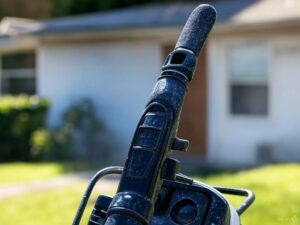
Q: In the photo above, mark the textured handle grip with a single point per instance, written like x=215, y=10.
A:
x=197, y=28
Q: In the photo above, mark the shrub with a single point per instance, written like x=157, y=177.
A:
x=20, y=117
x=76, y=137
x=61, y=143
x=40, y=143
x=78, y=134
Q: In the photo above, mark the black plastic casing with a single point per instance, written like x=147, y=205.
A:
x=178, y=203
x=212, y=207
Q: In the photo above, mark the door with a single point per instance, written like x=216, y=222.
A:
x=193, y=116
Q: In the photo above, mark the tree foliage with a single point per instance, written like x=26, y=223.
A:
x=40, y=9
x=72, y=7
x=35, y=9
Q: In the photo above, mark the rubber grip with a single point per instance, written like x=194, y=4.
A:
x=197, y=28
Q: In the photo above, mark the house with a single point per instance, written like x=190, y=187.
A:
x=242, y=107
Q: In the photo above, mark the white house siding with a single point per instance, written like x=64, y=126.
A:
x=287, y=101
x=117, y=76
x=234, y=140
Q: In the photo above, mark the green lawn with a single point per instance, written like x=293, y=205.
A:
x=276, y=188
x=24, y=172
x=55, y=207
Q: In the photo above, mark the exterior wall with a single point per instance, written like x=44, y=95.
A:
x=234, y=140
x=118, y=77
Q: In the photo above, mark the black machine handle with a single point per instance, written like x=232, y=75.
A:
x=148, y=161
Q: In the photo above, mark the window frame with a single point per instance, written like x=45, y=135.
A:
x=236, y=42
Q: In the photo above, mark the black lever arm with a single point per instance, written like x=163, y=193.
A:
x=155, y=135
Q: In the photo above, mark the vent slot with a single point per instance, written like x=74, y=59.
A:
x=178, y=58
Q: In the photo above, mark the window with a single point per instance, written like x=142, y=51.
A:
x=18, y=73
x=248, y=70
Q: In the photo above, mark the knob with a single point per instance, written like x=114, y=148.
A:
x=180, y=144
x=184, y=212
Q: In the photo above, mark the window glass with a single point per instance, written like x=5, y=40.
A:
x=249, y=99
x=248, y=63
x=18, y=74
x=18, y=61
x=16, y=86
x=248, y=70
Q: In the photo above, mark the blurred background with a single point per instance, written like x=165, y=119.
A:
x=75, y=76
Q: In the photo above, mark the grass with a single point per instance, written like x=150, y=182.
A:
x=25, y=172
x=276, y=188
x=55, y=207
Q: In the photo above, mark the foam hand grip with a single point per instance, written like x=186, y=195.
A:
x=197, y=28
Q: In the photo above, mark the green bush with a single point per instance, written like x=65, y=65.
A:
x=78, y=135
x=20, y=117
x=52, y=144
x=61, y=143
x=40, y=143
